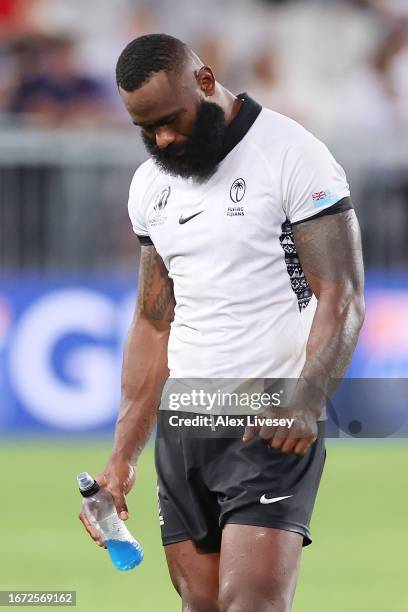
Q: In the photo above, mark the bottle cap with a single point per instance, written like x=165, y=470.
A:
x=87, y=485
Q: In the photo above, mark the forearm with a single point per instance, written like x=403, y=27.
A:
x=144, y=373
x=330, y=347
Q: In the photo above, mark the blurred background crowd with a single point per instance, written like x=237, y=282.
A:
x=324, y=62
x=67, y=148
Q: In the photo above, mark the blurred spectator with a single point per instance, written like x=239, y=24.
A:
x=16, y=17
x=51, y=88
x=376, y=94
x=267, y=84
x=389, y=8
x=277, y=2
x=16, y=21
x=211, y=50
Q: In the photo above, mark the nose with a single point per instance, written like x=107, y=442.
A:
x=164, y=137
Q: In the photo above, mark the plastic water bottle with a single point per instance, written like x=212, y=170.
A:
x=125, y=552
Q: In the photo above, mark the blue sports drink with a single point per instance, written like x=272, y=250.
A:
x=125, y=552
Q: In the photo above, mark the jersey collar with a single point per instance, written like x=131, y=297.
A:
x=241, y=124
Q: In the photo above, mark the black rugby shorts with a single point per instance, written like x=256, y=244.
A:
x=210, y=479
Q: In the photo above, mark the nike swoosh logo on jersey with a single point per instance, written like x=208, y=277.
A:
x=272, y=500
x=185, y=219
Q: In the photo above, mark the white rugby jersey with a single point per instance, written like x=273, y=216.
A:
x=243, y=305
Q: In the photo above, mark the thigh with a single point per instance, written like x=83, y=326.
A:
x=188, y=509
x=258, y=568
x=194, y=575
x=265, y=487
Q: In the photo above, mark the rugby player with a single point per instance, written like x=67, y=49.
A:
x=250, y=268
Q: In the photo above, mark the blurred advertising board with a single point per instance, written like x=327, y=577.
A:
x=61, y=344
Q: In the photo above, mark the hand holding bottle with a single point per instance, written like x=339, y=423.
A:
x=117, y=479
x=100, y=512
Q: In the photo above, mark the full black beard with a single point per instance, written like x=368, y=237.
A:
x=201, y=152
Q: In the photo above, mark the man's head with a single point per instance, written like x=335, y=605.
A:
x=167, y=92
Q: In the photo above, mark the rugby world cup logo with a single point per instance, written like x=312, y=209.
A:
x=161, y=200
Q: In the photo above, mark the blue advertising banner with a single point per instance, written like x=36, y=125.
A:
x=61, y=343
x=382, y=350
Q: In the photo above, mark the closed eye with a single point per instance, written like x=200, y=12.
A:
x=160, y=123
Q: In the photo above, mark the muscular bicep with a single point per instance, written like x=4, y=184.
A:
x=330, y=253
x=155, y=295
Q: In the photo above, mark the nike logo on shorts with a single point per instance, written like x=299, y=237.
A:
x=272, y=500
x=185, y=219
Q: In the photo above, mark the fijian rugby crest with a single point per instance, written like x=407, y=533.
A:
x=237, y=190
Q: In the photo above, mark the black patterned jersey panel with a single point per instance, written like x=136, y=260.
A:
x=298, y=281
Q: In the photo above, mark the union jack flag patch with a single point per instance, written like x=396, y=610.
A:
x=324, y=198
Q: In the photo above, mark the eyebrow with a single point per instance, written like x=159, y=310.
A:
x=159, y=122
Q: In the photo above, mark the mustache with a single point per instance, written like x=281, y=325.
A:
x=173, y=150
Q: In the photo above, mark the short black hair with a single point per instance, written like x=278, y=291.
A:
x=145, y=56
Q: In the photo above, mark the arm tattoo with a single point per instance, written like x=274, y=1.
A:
x=330, y=252
x=155, y=297
x=330, y=248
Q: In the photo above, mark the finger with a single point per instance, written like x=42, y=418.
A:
x=303, y=445
x=250, y=433
x=95, y=535
x=289, y=445
x=267, y=433
x=120, y=505
x=277, y=442
x=277, y=437
x=88, y=526
x=118, y=498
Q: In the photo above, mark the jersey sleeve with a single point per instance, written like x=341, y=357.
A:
x=312, y=181
x=136, y=210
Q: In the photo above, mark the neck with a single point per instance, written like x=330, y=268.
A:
x=228, y=102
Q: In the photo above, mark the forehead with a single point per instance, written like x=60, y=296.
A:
x=162, y=95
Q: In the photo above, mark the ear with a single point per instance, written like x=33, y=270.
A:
x=205, y=80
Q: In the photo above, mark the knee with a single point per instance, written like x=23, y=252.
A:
x=243, y=598
x=199, y=602
x=196, y=598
